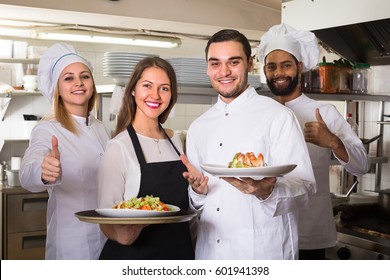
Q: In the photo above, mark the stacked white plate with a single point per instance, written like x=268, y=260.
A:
x=190, y=71
x=120, y=65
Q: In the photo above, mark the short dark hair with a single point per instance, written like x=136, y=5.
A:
x=225, y=35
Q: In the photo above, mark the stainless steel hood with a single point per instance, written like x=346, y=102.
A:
x=360, y=42
x=356, y=30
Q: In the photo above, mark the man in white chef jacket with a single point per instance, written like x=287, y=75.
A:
x=249, y=217
x=287, y=52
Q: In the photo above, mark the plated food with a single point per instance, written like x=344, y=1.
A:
x=247, y=160
x=265, y=171
x=139, y=207
x=143, y=203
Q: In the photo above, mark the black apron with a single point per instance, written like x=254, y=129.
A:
x=161, y=241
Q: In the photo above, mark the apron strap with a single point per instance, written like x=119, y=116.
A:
x=169, y=139
x=136, y=144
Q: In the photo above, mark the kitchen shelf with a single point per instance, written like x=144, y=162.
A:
x=339, y=96
x=20, y=60
x=379, y=159
x=373, y=160
x=20, y=93
x=14, y=140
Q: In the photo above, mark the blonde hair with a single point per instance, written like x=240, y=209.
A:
x=63, y=116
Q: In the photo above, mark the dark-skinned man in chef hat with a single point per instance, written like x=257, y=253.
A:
x=286, y=53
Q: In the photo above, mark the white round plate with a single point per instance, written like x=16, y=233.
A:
x=266, y=171
x=131, y=213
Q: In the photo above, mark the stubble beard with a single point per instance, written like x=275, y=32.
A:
x=236, y=91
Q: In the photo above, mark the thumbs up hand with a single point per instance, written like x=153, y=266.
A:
x=54, y=144
x=51, y=165
x=318, y=133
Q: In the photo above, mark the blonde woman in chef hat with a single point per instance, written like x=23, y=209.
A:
x=286, y=53
x=64, y=154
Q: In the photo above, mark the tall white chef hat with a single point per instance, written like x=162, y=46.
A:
x=51, y=64
x=301, y=44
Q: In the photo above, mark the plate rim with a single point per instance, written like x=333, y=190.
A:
x=91, y=216
x=139, y=212
x=240, y=172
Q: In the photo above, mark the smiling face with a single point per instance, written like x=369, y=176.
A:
x=282, y=72
x=76, y=87
x=152, y=93
x=228, y=69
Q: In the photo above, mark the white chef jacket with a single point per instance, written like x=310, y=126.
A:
x=317, y=228
x=234, y=225
x=119, y=175
x=76, y=189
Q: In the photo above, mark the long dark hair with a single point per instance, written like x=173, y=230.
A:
x=230, y=35
x=127, y=112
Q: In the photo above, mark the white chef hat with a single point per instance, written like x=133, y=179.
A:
x=301, y=44
x=51, y=64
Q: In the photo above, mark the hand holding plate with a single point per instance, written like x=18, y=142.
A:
x=260, y=188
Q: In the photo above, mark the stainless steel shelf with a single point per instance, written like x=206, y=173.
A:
x=20, y=93
x=339, y=96
x=19, y=60
x=373, y=160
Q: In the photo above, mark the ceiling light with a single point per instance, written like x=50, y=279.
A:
x=133, y=40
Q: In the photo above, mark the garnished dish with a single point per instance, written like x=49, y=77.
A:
x=143, y=203
x=247, y=165
x=148, y=206
x=247, y=160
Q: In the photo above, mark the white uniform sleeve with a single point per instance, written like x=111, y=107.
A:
x=358, y=163
x=118, y=176
x=196, y=200
x=291, y=191
x=30, y=170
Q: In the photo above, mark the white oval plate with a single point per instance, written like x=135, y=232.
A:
x=131, y=213
x=266, y=171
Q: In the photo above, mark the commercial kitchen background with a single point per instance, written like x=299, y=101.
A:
x=13, y=126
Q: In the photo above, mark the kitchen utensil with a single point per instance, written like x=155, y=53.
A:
x=366, y=142
x=13, y=178
x=20, y=49
x=339, y=199
x=30, y=82
x=31, y=117
x=3, y=175
x=384, y=201
x=15, y=163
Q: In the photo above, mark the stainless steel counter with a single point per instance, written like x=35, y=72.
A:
x=4, y=188
x=23, y=226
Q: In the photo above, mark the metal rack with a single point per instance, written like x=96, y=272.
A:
x=379, y=158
